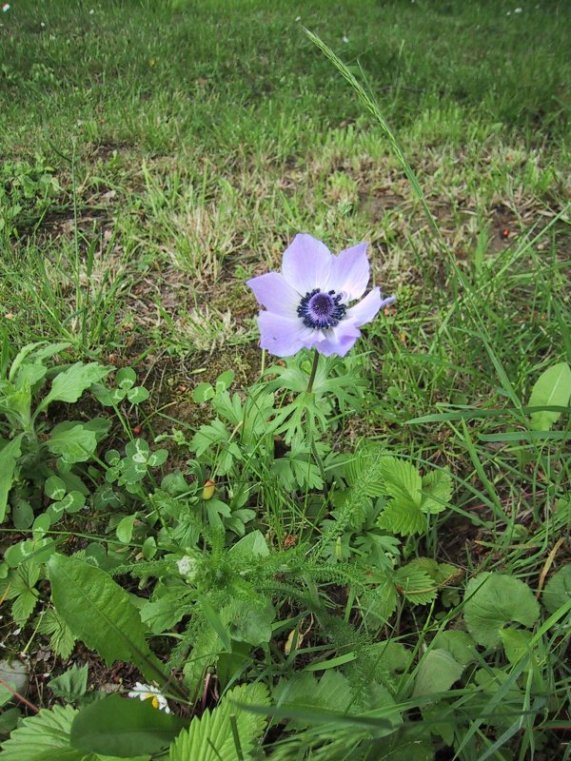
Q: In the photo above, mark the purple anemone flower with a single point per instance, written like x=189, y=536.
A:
x=307, y=304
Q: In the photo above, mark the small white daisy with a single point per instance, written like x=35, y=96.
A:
x=152, y=693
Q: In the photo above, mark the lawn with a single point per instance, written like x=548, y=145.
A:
x=371, y=562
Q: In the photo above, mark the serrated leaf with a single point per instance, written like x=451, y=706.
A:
x=404, y=518
x=124, y=727
x=211, y=738
x=23, y=606
x=415, y=585
x=44, y=737
x=402, y=482
x=70, y=384
x=9, y=455
x=364, y=471
x=436, y=672
x=62, y=639
x=557, y=591
x=379, y=603
x=552, y=389
x=71, y=685
x=100, y=613
x=436, y=491
x=493, y=600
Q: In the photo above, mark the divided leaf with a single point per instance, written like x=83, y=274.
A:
x=493, y=600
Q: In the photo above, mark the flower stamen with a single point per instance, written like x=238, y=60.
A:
x=321, y=309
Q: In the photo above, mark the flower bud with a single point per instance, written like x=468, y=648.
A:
x=208, y=489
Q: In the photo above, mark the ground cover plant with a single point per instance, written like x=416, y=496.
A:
x=351, y=541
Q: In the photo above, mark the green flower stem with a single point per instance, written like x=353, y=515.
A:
x=313, y=371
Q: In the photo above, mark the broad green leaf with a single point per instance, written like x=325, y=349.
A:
x=415, y=584
x=202, y=393
x=137, y=395
x=552, y=389
x=75, y=444
x=459, y=644
x=253, y=545
x=22, y=514
x=212, y=738
x=54, y=488
x=116, y=726
x=436, y=672
x=70, y=384
x=9, y=455
x=403, y=518
x=493, y=600
x=125, y=527
x=249, y=620
x=13, y=675
x=166, y=611
x=379, y=603
x=36, y=354
x=126, y=378
x=100, y=612
x=71, y=685
x=391, y=660
x=517, y=643
x=557, y=591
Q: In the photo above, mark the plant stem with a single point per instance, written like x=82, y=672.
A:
x=313, y=371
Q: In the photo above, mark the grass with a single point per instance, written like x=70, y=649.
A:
x=156, y=155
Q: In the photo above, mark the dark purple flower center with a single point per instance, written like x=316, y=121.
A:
x=320, y=309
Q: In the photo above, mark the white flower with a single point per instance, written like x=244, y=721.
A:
x=345, y=38
x=152, y=693
x=187, y=567
x=518, y=10
x=5, y=7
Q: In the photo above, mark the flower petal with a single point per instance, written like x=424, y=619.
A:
x=307, y=263
x=273, y=292
x=366, y=309
x=282, y=336
x=339, y=340
x=350, y=272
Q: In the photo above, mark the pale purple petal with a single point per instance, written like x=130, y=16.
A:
x=282, y=336
x=307, y=263
x=339, y=340
x=366, y=309
x=350, y=272
x=273, y=292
